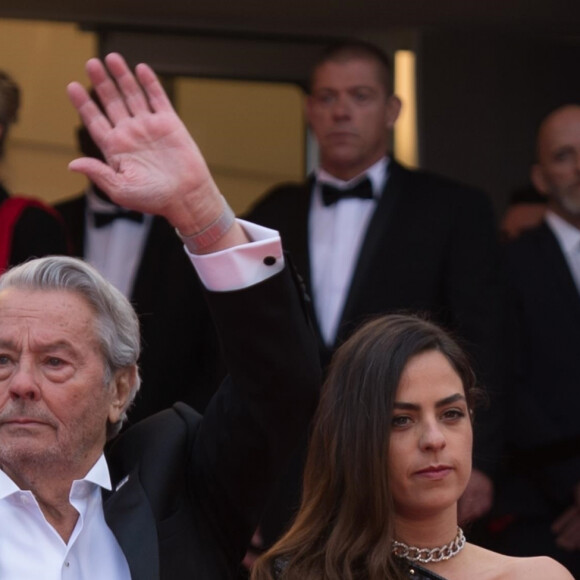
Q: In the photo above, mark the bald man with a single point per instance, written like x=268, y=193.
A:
x=538, y=503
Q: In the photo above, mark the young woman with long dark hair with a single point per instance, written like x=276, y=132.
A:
x=389, y=457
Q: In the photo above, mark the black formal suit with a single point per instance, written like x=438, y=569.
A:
x=544, y=403
x=430, y=247
x=36, y=233
x=196, y=487
x=179, y=342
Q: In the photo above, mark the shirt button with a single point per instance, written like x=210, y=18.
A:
x=67, y=564
x=269, y=260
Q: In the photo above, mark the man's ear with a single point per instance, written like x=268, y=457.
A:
x=538, y=179
x=122, y=386
x=393, y=110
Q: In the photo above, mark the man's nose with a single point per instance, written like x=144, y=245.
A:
x=341, y=108
x=24, y=384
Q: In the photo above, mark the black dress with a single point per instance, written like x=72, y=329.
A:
x=412, y=571
x=416, y=572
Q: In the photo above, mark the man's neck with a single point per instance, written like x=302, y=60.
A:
x=52, y=492
x=347, y=173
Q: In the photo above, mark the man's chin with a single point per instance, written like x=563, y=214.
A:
x=27, y=451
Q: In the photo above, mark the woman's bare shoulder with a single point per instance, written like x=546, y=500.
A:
x=500, y=567
x=539, y=567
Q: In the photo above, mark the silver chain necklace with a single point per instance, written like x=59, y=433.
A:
x=426, y=555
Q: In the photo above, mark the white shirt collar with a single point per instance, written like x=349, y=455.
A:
x=568, y=236
x=98, y=475
x=377, y=174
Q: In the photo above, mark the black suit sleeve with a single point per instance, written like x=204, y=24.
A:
x=265, y=405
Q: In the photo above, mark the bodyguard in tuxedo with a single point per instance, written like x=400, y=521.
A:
x=538, y=505
x=370, y=236
x=141, y=255
x=177, y=496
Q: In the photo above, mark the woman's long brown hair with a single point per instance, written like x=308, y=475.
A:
x=344, y=528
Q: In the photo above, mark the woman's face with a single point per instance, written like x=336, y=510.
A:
x=431, y=438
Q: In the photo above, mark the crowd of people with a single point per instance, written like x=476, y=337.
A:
x=444, y=357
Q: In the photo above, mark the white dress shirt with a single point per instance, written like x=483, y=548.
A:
x=30, y=548
x=568, y=237
x=115, y=250
x=335, y=234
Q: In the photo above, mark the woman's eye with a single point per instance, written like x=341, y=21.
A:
x=453, y=414
x=401, y=421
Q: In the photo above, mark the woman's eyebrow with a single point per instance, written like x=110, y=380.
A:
x=441, y=403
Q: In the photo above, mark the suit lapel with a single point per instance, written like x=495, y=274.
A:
x=297, y=233
x=143, y=289
x=74, y=215
x=128, y=514
x=556, y=260
x=379, y=226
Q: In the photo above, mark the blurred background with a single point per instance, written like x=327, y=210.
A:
x=475, y=79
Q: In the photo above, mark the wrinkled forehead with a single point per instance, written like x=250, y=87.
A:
x=48, y=310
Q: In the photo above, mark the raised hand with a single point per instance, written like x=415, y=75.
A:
x=152, y=163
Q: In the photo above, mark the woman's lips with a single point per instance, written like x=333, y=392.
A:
x=434, y=471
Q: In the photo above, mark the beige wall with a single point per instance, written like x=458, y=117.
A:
x=252, y=134
x=43, y=58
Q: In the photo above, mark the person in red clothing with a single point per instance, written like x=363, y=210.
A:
x=28, y=228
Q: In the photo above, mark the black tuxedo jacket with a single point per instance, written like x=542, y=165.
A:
x=189, y=491
x=430, y=247
x=36, y=233
x=544, y=429
x=179, y=342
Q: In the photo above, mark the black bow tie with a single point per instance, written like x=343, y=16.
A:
x=330, y=194
x=105, y=218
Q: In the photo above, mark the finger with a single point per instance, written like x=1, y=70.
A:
x=91, y=115
x=156, y=95
x=564, y=520
x=134, y=97
x=569, y=531
x=568, y=540
x=106, y=88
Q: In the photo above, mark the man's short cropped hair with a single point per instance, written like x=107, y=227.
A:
x=346, y=50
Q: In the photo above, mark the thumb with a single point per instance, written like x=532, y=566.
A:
x=96, y=171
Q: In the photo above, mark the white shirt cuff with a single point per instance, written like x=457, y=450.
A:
x=241, y=266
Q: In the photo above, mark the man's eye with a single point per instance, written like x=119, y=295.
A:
x=361, y=97
x=563, y=155
x=54, y=362
x=325, y=98
x=4, y=359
